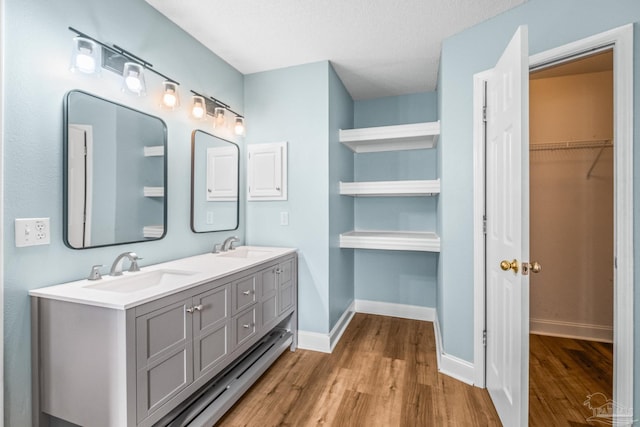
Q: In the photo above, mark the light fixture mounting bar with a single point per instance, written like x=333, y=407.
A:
x=117, y=50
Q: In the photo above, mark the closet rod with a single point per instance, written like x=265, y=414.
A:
x=571, y=145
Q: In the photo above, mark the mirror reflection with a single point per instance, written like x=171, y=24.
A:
x=214, y=183
x=115, y=173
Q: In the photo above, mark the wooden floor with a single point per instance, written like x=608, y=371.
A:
x=562, y=373
x=382, y=373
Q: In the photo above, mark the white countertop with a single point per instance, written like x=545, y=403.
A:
x=181, y=274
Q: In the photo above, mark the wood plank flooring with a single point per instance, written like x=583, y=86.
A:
x=562, y=373
x=382, y=373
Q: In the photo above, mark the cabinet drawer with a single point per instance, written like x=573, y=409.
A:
x=244, y=293
x=245, y=326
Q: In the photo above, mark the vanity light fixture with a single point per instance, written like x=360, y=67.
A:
x=133, y=79
x=85, y=56
x=239, y=125
x=170, y=96
x=203, y=106
x=218, y=117
x=90, y=54
x=199, y=107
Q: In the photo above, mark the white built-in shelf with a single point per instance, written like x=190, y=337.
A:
x=153, y=191
x=391, y=138
x=152, y=231
x=390, y=188
x=153, y=150
x=391, y=240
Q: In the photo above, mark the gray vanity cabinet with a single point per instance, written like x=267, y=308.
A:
x=110, y=367
x=177, y=344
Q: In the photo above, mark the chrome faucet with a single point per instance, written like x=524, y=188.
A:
x=228, y=243
x=116, y=268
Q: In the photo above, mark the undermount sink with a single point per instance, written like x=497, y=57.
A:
x=245, y=252
x=139, y=281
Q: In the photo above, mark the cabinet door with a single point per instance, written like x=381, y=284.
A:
x=164, y=359
x=267, y=171
x=268, y=296
x=210, y=330
x=286, y=286
x=243, y=293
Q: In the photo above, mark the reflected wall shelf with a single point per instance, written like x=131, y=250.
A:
x=153, y=191
x=391, y=138
x=153, y=150
x=391, y=240
x=153, y=231
x=414, y=188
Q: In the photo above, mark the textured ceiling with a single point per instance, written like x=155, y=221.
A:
x=377, y=47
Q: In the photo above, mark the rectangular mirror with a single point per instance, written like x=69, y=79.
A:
x=214, y=183
x=115, y=173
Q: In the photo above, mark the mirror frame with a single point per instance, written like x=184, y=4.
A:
x=65, y=166
x=193, y=190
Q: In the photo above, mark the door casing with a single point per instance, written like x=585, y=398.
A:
x=621, y=40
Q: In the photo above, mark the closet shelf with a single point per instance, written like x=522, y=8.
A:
x=391, y=138
x=391, y=240
x=390, y=188
x=153, y=191
x=153, y=150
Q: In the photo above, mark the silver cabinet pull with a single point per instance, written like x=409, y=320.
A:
x=246, y=292
x=277, y=270
x=190, y=309
x=198, y=307
x=246, y=326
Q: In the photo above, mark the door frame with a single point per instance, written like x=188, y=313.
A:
x=621, y=39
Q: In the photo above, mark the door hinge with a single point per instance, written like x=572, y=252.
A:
x=484, y=113
x=484, y=225
x=484, y=338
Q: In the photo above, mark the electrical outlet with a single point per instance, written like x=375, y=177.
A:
x=32, y=231
x=284, y=218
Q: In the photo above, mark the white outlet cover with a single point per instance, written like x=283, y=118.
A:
x=32, y=231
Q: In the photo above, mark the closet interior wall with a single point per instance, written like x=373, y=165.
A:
x=572, y=204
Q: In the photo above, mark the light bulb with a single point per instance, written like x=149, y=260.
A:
x=170, y=98
x=239, y=126
x=85, y=56
x=219, y=119
x=133, y=79
x=198, y=110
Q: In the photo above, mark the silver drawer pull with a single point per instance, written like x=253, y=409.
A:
x=277, y=271
x=198, y=307
x=246, y=292
x=246, y=326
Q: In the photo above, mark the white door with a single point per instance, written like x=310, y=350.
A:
x=80, y=184
x=507, y=210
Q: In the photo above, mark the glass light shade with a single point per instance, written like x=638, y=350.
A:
x=133, y=79
x=239, y=126
x=199, y=108
x=170, y=96
x=85, y=56
x=218, y=117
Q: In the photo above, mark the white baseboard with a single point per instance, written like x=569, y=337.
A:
x=581, y=331
x=325, y=343
x=447, y=364
x=403, y=311
x=451, y=365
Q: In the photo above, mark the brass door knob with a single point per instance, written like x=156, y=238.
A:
x=509, y=265
x=535, y=267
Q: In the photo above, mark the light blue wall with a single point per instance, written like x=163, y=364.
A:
x=292, y=104
x=341, y=262
x=551, y=23
x=389, y=276
x=37, y=46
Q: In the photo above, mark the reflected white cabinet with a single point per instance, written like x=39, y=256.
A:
x=222, y=173
x=267, y=171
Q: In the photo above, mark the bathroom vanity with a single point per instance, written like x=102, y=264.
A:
x=174, y=344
